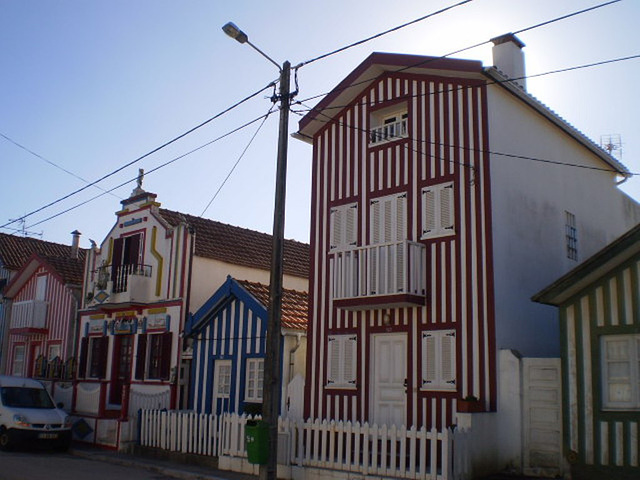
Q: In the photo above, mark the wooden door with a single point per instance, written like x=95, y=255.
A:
x=388, y=386
x=121, y=369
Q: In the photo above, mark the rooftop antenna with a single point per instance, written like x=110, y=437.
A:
x=612, y=143
x=23, y=229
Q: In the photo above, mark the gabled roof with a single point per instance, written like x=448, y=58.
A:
x=69, y=270
x=256, y=297
x=240, y=246
x=378, y=64
x=295, y=304
x=592, y=269
x=369, y=71
x=15, y=250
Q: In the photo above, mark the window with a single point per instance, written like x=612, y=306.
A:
x=93, y=354
x=341, y=361
x=18, y=361
x=153, y=357
x=388, y=218
x=438, y=213
x=439, y=360
x=255, y=380
x=571, y=235
x=222, y=378
x=620, y=371
x=54, y=352
x=388, y=124
x=41, y=287
x=344, y=227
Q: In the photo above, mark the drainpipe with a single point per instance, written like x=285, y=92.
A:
x=187, y=305
x=292, y=355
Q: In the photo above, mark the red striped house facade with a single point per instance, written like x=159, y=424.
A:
x=45, y=296
x=429, y=235
x=394, y=187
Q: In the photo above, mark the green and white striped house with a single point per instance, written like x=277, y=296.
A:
x=599, y=305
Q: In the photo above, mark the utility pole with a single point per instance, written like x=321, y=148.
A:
x=272, y=385
x=272, y=372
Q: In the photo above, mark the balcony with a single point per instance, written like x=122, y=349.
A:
x=29, y=317
x=128, y=285
x=386, y=275
x=388, y=132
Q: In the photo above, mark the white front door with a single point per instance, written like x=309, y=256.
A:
x=389, y=379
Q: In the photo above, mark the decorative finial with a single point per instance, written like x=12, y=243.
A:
x=138, y=190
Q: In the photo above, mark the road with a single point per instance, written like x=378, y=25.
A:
x=44, y=465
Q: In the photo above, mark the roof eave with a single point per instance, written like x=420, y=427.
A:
x=513, y=88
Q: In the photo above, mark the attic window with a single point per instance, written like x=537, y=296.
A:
x=571, y=235
x=388, y=124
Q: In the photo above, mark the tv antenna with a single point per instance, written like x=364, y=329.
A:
x=612, y=144
x=23, y=229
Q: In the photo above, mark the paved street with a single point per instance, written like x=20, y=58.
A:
x=44, y=465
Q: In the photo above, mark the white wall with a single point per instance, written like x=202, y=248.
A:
x=209, y=274
x=529, y=200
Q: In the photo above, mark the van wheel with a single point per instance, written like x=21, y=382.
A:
x=5, y=439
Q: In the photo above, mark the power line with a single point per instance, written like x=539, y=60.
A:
x=433, y=59
x=271, y=110
x=494, y=82
x=151, y=171
x=157, y=149
x=47, y=160
x=378, y=35
x=476, y=150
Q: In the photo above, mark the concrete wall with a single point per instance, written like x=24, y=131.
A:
x=529, y=200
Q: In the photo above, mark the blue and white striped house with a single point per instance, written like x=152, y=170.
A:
x=229, y=333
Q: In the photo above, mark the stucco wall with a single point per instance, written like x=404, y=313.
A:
x=529, y=200
x=209, y=274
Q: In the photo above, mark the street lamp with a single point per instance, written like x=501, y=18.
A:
x=272, y=378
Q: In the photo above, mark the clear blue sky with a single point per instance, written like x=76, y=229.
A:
x=92, y=85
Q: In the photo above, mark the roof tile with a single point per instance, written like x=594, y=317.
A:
x=295, y=304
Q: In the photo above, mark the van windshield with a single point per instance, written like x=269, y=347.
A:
x=23, y=397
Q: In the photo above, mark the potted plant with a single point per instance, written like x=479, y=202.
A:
x=470, y=404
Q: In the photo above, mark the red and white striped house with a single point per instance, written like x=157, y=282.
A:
x=45, y=295
x=443, y=197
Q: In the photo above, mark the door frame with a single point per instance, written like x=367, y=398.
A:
x=372, y=373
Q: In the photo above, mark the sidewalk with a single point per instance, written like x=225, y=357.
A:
x=182, y=467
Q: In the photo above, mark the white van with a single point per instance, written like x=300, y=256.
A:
x=28, y=415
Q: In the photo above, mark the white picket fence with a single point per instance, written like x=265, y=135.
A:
x=364, y=449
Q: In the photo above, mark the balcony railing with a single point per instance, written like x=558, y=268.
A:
x=388, y=269
x=388, y=132
x=31, y=314
x=120, y=278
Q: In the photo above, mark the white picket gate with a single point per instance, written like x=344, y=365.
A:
x=364, y=449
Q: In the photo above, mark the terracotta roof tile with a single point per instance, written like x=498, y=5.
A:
x=70, y=269
x=15, y=250
x=295, y=304
x=241, y=246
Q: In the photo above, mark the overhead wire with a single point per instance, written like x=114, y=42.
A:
x=271, y=110
x=152, y=170
x=31, y=152
x=477, y=150
x=471, y=47
x=378, y=35
x=157, y=149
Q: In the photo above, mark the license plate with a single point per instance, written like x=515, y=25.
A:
x=47, y=436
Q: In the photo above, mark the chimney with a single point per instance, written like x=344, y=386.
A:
x=508, y=58
x=75, y=243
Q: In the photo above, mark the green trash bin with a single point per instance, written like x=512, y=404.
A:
x=256, y=440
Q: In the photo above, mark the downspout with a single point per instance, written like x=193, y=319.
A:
x=292, y=355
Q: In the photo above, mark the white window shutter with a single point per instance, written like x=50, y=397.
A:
x=446, y=207
x=351, y=225
x=401, y=217
x=429, y=371
x=428, y=211
x=350, y=360
x=448, y=358
x=374, y=211
x=336, y=239
x=333, y=360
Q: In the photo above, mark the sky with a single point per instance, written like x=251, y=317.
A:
x=89, y=86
